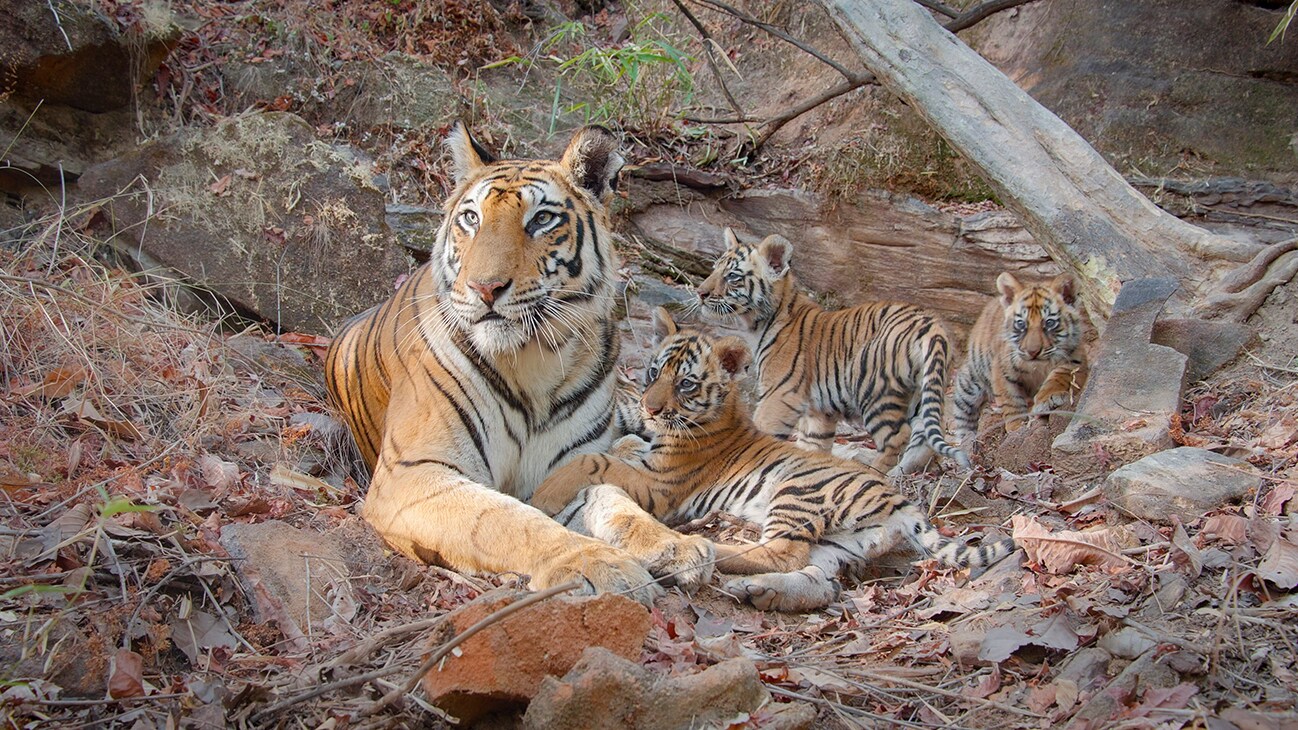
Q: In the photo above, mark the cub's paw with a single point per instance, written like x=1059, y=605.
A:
x=683, y=560
x=794, y=592
x=601, y=569
x=1044, y=405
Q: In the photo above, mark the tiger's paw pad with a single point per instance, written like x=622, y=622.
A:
x=786, y=592
x=601, y=569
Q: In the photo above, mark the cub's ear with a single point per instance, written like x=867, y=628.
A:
x=776, y=251
x=732, y=354
x=732, y=241
x=467, y=155
x=1064, y=286
x=593, y=161
x=1009, y=287
x=664, y=325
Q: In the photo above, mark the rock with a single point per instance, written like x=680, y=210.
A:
x=274, y=222
x=297, y=578
x=1133, y=390
x=606, y=691
x=1126, y=643
x=501, y=667
x=1149, y=671
x=1145, y=99
x=415, y=227
x=1185, y=482
x=69, y=54
x=1207, y=344
x=1021, y=451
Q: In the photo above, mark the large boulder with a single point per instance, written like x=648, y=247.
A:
x=285, y=227
x=1198, y=81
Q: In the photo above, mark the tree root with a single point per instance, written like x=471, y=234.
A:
x=1241, y=292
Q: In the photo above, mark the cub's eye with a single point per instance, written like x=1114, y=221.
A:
x=652, y=374
x=1020, y=325
x=734, y=277
x=687, y=386
x=543, y=218
x=1052, y=324
x=469, y=219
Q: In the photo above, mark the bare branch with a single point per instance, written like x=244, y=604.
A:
x=938, y=7
x=710, y=51
x=978, y=14
x=772, y=30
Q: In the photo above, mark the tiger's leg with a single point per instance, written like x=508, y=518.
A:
x=780, y=554
x=562, y=485
x=1011, y=397
x=918, y=453
x=815, y=431
x=432, y=511
x=777, y=417
x=970, y=393
x=1060, y=388
x=812, y=587
x=888, y=425
x=608, y=513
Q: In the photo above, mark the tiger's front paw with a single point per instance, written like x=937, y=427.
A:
x=601, y=569
x=1043, y=404
x=684, y=560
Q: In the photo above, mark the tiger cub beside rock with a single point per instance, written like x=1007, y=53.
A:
x=1025, y=349
x=819, y=513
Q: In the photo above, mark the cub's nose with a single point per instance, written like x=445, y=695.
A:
x=653, y=410
x=488, y=291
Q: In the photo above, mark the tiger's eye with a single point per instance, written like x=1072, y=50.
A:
x=544, y=218
x=688, y=386
x=469, y=219
x=652, y=374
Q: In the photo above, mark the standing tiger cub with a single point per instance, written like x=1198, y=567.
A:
x=1025, y=349
x=819, y=513
x=882, y=365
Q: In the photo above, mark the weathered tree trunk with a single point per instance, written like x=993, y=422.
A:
x=1075, y=204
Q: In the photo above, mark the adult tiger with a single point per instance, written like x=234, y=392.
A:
x=882, y=364
x=492, y=365
x=819, y=514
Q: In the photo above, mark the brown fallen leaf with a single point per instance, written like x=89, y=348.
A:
x=1232, y=529
x=83, y=409
x=57, y=383
x=126, y=675
x=1280, y=564
x=1184, y=554
x=1060, y=552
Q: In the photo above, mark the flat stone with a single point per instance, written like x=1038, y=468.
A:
x=604, y=690
x=297, y=578
x=1134, y=387
x=1207, y=344
x=501, y=668
x=1185, y=482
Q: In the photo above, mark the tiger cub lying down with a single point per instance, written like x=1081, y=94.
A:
x=819, y=513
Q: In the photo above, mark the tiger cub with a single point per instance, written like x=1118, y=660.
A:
x=881, y=365
x=819, y=513
x=1025, y=350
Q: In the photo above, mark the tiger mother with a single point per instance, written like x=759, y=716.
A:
x=492, y=365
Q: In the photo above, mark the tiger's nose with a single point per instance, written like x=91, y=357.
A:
x=489, y=290
x=653, y=410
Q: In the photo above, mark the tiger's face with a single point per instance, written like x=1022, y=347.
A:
x=743, y=279
x=690, y=376
x=524, y=251
x=1041, y=323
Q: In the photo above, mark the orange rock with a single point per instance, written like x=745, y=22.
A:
x=501, y=667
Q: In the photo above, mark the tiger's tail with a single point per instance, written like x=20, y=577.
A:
x=935, y=357
x=924, y=536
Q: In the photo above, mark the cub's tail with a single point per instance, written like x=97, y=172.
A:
x=926, y=424
x=924, y=536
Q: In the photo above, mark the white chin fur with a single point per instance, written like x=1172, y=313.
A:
x=498, y=337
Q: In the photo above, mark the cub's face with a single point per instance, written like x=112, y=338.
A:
x=743, y=279
x=524, y=251
x=689, y=378
x=1040, y=320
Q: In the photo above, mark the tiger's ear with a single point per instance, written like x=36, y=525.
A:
x=732, y=241
x=467, y=155
x=1064, y=286
x=1008, y=286
x=732, y=354
x=664, y=325
x=776, y=252
x=593, y=161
